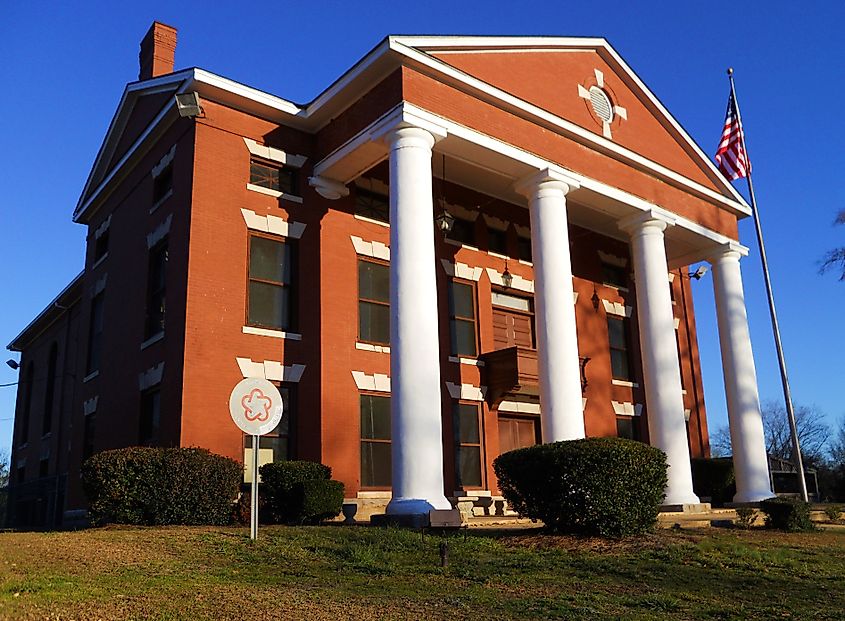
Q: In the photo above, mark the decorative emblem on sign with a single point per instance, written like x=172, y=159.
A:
x=600, y=102
x=256, y=405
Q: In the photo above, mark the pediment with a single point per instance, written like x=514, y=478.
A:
x=570, y=78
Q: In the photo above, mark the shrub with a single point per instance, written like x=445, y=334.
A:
x=714, y=478
x=745, y=517
x=279, y=484
x=789, y=514
x=316, y=500
x=603, y=486
x=833, y=512
x=157, y=486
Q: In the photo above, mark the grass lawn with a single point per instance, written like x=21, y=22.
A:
x=367, y=573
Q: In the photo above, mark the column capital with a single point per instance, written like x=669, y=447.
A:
x=729, y=251
x=328, y=188
x=547, y=178
x=400, y=118
x=644, y=219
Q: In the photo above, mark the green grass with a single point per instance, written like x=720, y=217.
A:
x=338, y=572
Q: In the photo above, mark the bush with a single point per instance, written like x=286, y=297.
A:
x=745, y=517
x=157, y=486
x=317, y=500
x=833, y=512
x=789, y=514
x=714, y=478
x=288, y=500
x=602, y=486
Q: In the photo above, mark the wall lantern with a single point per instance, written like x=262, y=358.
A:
x=595, y=299
x=699, y=273
x=507, y=277
x=444, y=220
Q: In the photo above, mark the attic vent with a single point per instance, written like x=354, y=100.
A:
x=601, y=104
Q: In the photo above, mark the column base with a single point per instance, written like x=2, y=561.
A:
x=679, y=500
x=752, y=497
x=416, y=506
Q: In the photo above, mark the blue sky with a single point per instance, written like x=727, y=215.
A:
x=65, y=65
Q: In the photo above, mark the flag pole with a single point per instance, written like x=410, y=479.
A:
x=796, y=448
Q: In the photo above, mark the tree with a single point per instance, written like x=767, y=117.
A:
x=813, y=434
x=837, y=446
x=835, y=259
x=4, y=482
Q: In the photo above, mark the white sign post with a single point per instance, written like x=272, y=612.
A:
x=256, y=407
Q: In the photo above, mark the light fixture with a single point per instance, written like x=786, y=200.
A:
x=445, y=220
x=595, y=299
x=188, y=104
x=507, y=277
x=13, y=364
x=697, y=274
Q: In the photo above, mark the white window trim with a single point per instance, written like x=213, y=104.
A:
x=461, y=270
x=473, y=362
x=519, y=283
x=162, y=200
x=276, y=334
x=371, y=220
x=381, y=349
x=271, y=370
x=151, y=377
x=104, y=226
x=90, y=376
x=378, y=382
x=617, y=309
x=374, y=250
x=90, y=405
x=466, y=392
x=155, y=338
x=626, y=408
x=164, y=161
x=274, y=193
x=625, y=383
x=273, y=224
x=274, y=155
x=160, y=232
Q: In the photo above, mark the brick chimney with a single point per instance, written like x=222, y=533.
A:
x=158, y=49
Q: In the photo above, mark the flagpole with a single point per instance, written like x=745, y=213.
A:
x=796, y=448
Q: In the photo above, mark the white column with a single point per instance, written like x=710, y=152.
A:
x=561, y=412
x=661, y=368
x=748, y=442
x=415, y=400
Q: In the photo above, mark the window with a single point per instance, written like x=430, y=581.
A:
x=497, y=241
x=614, y=275
x=23, y=429
x=49, y=391
x=279, y=440
x=273, y=177
x=43, y=468
x=163, y=184
x=156, y=281
x=372, y=205
x=88, y=436
x=270, y=269
x=523, y=247
x=462, y=318
x=101, y=246
x=21, y=474
x=373, y=302
x=463, y=231
x=628, y=427
x=95, y=334
x=150, y=418
x=375, y=441
x=466, y=421
x=617, y=330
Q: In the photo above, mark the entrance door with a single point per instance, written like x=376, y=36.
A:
x=513, y=321
x=516, y=432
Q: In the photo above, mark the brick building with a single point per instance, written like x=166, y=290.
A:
x=462, y=246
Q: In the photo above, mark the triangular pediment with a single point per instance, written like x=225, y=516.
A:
x=568, y=78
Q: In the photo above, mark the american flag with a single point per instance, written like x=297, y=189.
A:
x=731, y=155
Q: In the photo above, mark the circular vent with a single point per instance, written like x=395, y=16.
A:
x=601, y=104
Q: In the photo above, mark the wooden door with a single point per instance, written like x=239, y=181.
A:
x=517, y=433
x=513, y=322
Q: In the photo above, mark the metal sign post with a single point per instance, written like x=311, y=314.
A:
x=256, y=408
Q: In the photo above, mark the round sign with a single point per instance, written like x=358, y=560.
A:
x=256, y=406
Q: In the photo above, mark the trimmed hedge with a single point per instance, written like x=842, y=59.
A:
x=157, y=486
x=300, y=491
x=789, y=514
x=714, y=478
x=597, y=486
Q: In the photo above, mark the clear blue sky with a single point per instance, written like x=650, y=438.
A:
x=65, y=64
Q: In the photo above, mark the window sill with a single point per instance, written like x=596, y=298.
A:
x=498, y=256
x=453, y=242
x=381, y=349
x=90, y=376
x=276, y=334
x=153, y=339
x=274, y=193
x=99, y=261
x=528, y=263
x=626, y=383
x=372, y=221
x=617, y=287
x=162, y=200
x=474, y=362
